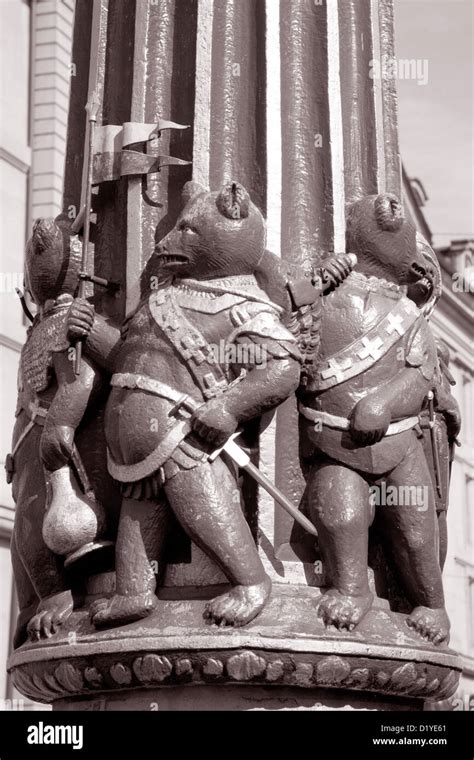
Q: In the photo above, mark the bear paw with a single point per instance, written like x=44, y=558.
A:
x=120, y=610
x=342, y=610
x=51, y=614
x=239, y=605
x=432, y=625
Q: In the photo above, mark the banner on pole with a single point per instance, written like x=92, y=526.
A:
x=112, y=158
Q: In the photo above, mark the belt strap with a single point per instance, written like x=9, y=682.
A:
x=129, y=473
x=145, y=383
x=36, y=415
x=22, y=437
x=342, y=423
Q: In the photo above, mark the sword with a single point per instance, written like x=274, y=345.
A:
x=242, y=460
x=434, y=444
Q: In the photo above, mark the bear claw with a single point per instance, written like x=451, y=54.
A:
x=343, y=610
x=238, y=606
x=120, y=610
x=431, y=624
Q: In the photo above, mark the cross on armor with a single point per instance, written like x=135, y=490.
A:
x=336, y=370
x=371, y=348
x=192, y=348
x=395, y=323
x=35, y=408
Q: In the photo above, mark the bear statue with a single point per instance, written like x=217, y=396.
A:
x=218, y=340
x=359, y=424
x=440, y=420
x=58, y=443
x=206, y=336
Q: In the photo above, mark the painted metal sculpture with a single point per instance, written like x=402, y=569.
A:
x=359, y=417
x=59, y=517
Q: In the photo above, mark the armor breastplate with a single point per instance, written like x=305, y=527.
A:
x=363, y=353
x=47, y=336
x=176, y=310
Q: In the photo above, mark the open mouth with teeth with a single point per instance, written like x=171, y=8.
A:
x=425, y=284
x=167, y=259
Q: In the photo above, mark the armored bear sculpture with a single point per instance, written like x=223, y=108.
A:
x=57, y=481
x=206, y=334
x=440, y=421
x=359, y=417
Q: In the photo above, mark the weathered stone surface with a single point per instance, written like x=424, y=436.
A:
x=303, y=674
x=245, y=666
x=274, y=670
x=152, y=668
x=183, y=667
x=332, y=671
x=121, y=674
x=213, y=667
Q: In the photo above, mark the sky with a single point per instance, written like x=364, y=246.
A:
x=436, y=115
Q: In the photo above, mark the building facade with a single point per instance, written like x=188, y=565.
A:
x=35, y=81
x=36, y=75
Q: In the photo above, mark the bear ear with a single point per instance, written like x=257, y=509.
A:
x=233, y=201
x=388, y=212
x=191, y=189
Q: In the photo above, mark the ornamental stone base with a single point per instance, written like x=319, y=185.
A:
x=285, y=659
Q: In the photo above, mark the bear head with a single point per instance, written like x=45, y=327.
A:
x=427, y=291
x=217, y=234
x=384, y=241
x=52, y=260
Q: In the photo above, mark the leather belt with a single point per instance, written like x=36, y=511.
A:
x=129, y=473
x=145, y=383
x=342, y=423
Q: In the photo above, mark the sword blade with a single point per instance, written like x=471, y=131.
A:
x=242, y=459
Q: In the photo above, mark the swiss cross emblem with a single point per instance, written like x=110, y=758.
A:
x=372, y=348
x=395, y=324
x=336, y=369
x=192, y=346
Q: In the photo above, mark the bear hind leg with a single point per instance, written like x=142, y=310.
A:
x=339, y=506
x=202, y=500
x=141, y=539
x=410, y=528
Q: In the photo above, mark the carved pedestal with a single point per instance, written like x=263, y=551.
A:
x=285, y=659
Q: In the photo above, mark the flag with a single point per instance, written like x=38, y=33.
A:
x=112, y=158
